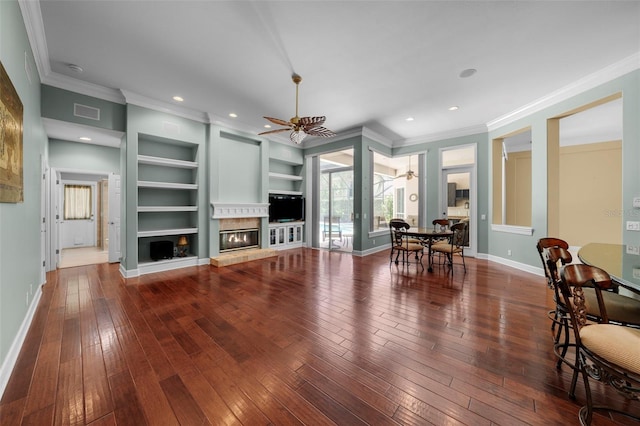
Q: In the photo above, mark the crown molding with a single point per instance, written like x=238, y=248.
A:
x=613, y=71
x=435, y=137
x=154, y=104
x=34, y=26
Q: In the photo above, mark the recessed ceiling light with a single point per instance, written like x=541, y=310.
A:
x=454, y=108
x=233, y=115
x=84, y=138
x=267, y=126
x=178, y=98
x=409, y=119
x=75, y=68
x=468, y=72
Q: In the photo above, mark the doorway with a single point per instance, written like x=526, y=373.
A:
x=81, y=223
x=458, y=191
x=335, y=206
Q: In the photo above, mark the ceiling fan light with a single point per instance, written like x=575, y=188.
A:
x=297, y=136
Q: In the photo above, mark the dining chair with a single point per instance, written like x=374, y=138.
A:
x=454, y=245
x=400, y=243
x=621, y=310
x=605, y=352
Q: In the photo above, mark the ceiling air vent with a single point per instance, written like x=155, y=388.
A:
x=84, y=111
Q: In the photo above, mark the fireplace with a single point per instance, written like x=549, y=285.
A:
x=239, y=239
x=240, y=228
x=239, y=233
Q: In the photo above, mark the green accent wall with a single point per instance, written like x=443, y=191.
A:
x=82, y=156
x=58, y=104
x=20, y=264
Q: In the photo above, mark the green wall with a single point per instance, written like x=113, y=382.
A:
x=523, y=246
x=20, y=265
x=58, y=104
x=82, y=156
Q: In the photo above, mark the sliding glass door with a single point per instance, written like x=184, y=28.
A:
x=335, y=213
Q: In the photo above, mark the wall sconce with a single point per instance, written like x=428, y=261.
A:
x=182, y=246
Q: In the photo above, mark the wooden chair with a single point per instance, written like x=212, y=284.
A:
x=605, y=352
x=439, y=225
x=455, y=245
x=400, y=243
x=621, y=310
x=558, y=315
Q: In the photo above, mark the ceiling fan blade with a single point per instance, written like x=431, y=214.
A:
x=274, y=131
x=320, y=131
x=279, y=121
x=311, y=122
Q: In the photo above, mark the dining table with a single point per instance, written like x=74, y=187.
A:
x=427, y=236
x=620, y=261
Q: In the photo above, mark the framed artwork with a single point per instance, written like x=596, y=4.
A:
x=11, y=176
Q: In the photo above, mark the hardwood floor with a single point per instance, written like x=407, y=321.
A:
x=309, y=337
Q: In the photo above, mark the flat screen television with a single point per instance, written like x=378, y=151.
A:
x=286, y=208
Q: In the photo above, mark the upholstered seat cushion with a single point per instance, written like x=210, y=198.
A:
x=409, y=247
x=616, y=343
x=445, y=247
x=619, y=308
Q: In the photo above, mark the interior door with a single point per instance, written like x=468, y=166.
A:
x=115, y=190
x=80, y=232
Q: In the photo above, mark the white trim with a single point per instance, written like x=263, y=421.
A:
x=154, y=104
x=12, y=355
x=239, y=210
x=511, y=229
x=517, y=265
x=162, y=266
x=436, y=137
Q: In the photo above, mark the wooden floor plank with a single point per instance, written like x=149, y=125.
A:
x=307, y=337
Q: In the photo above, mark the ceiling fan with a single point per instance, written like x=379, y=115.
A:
x=300, y=127
x=410, y=174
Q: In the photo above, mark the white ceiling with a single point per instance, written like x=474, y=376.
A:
x=363, y=63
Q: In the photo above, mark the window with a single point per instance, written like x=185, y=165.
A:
x=77, y=202
x=381, y=191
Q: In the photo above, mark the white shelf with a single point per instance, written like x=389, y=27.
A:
x=166, y=162
x=163, y=232
x=283, y=192
x=284, y=176
x=157, y=209
x=166, y=185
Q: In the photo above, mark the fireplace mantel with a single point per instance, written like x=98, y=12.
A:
x=235, y=210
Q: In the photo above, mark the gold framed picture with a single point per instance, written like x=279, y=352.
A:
x=11, y=153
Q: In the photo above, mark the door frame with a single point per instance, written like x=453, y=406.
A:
x=472, y=169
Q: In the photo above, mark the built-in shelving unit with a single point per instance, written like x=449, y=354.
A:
x=167, y=198
x=286, y=235
x=285, y=177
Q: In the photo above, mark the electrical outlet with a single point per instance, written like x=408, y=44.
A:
x=636, y=273
x=483, y=217
x=509, y=252
x=633, y=250
x=636, y=202
x=633, y=225
x=374, y=242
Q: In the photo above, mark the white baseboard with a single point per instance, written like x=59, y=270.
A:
x=517, y=265
x=12, y=356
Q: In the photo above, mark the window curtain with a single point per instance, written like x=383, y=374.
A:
x=77, y=202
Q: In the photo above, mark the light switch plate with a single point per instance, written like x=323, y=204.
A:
x=633, y=225
x=636, y=202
